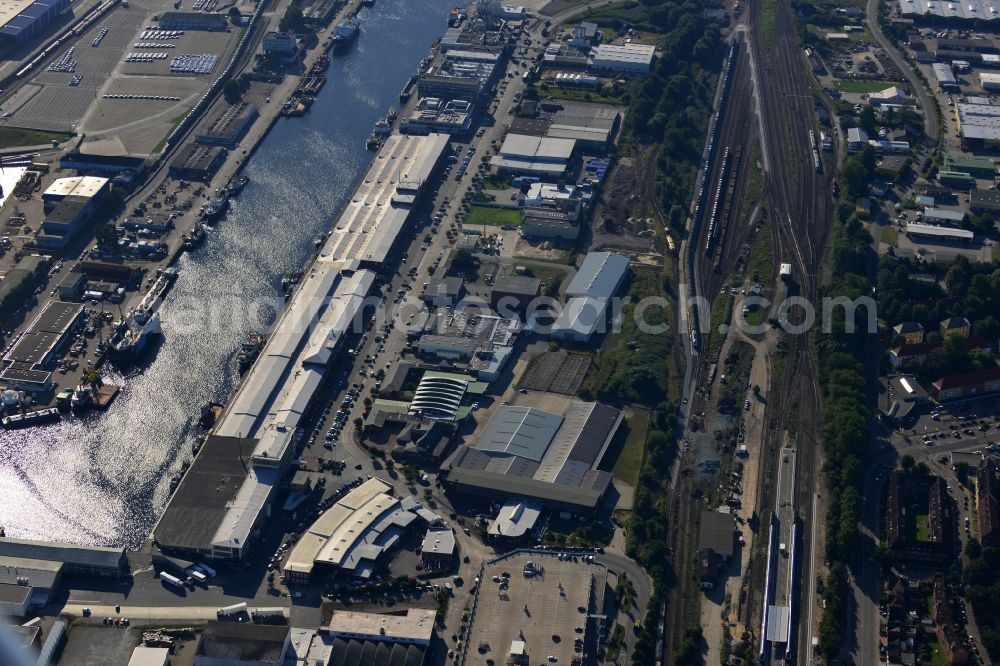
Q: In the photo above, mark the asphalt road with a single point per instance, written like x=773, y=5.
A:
x=927, y=102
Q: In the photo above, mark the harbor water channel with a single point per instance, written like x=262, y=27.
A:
x=104, y=479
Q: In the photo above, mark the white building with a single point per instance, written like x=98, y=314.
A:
x=989, y=80
x=521, y=154
x=629, y=58
x=891, y=95
x=589, y=294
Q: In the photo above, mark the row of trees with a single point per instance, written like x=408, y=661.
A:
x=982, y=589
x=845, y=419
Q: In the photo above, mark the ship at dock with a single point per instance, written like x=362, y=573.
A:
x=195, y=238
x=344, y=34
x=249, y=351
x=380, y=131
x=133, y=333
x=236, y=185
x=217, y=207
x=320, y=66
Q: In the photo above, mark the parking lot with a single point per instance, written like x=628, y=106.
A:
x=545, y=604
x=68, y=94
x=973, y=424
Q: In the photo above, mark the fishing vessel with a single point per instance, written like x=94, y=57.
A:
x=216, y=208
x=29, y=419
x=236, y=185
x=80, y=400
x=344, y=34
x=133, y=333
x=320, y=66
x=195, y=238
x=248, y=352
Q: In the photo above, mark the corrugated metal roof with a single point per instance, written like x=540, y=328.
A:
x=519, y=431
x=599, y=275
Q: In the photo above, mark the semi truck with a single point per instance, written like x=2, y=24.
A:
x=230, y=611
x=197, y=575
x=173, y=581
x=209, y=571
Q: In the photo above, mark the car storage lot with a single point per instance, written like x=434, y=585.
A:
x=71, y=98
x=543, y=610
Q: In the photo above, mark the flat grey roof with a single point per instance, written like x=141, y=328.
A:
x=200, y=503
x=587, y=496
x=599, y=275
x=717, y=532
x=233, y=642
x=58, y=551
x=980, y=10
x=14, y=593
x=519, y=431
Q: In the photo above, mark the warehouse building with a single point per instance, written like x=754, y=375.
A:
x=75, y=559
x=945, y=77
x=378, y=210
x=197, y=162
x=589, y=294
x=932, y=233
x=43, y=339
x=415, y=627
x=236, y=644
x=87, y=188
x=229, y=126
x=985, y=201
x=461, y=74
x=972, y=10
x=116, y=166
x=622, y=58
x=977, y=167
x=548, y=223
x=989, y=80
x=534, y=156
x=525, y=453
x=23, y=20
x=192, y=21
x=62, y=224
x=365, y=639
x=250, y=447
x=513, y=293
x=943, y=216
x=592, y=126
x=353, y=535
x=979, y=124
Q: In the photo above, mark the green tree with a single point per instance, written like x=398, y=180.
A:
x=235, y=15
x=231, y=91
x=906, y=462
x=106, y=236
x=868, y=121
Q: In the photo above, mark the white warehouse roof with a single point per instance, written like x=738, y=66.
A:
x=537, y=148
x=79, y=186
x=599, y=276
x=630, y=53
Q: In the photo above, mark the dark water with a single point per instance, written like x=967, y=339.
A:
x=105, y=479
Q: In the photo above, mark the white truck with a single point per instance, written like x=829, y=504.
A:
x=263, y=615
x=197, y=575
x=173, y=581
x=209, y=571
x=230, y=611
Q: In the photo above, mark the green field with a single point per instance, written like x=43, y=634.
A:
x=844, y=85
x=923, y=527
x=496, y=183
x=597, y=96
x=492, y=217
x=13, y=137
x=630, y=459
x=889, y=235
x=761, y=265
